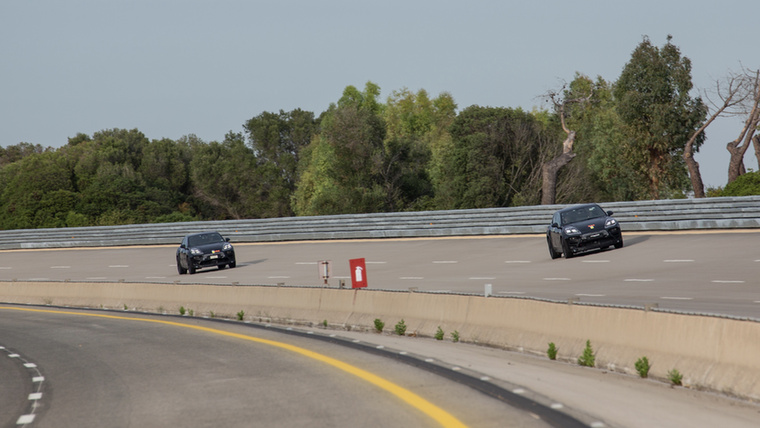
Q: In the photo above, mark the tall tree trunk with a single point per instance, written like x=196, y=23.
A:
x=696, y=177
x=756, y=143
x=550, y=170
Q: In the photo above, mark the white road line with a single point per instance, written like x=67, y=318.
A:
x=374, y=263
x=510, y=292
x=637, y=280
x=556, y=279
x=412, y=277
x=60, y=267
x=679, y=261
x=92, y=278
x=278, y=277
x=596, y=261
x=725, y=281
x=216, y=277
x=589, y=295
x=35, y=396
x=757, y=301
x=677, y=298
x=155, y=277
x=444, y=262
x=306, y=263
x=517, y=261
x=38, y=279
x=5, y=267
x=482, y=277
x=25, y=419
x=118, y=266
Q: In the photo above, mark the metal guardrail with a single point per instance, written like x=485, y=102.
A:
x=672, y=214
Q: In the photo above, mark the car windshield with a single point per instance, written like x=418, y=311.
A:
x=204, y=239
x=582, y=214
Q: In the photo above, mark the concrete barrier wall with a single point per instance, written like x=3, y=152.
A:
x=712, y=353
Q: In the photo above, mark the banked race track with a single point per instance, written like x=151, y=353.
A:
x=687, y=299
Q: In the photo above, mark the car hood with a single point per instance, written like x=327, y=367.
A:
x=210, y=248
x=589, y=226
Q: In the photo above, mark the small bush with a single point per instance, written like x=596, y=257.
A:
x=552, y=351
x=182, y=310
x=642, y=366
x=379, y=325
x=455, y=336
x=212, y=314
x=324, y=323
x=191, y=312
x=439, y=333
x=240, y=315
x=401, y=328
x=675, y=377
x=588, y=358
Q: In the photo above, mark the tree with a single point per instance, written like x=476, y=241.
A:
x=223, y=176
x=750, y=82
x=340, y=170
x=494, y=160
x=731, y=94
x=654, y=104
x=277, y=140
x=414, y=125
x=550, y=169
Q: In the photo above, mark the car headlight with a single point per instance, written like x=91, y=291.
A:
x=227, y=246
x=195, y=252
x=572, y=230
x=610, y=222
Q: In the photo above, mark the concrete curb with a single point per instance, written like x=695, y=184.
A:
x=713, y=353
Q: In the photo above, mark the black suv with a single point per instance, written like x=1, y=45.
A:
x=582, y=228
x=202, y=250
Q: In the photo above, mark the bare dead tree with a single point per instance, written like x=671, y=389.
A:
x=731, y=94
x=550, y=169
x=739, y=146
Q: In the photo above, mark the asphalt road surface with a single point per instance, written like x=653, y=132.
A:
x=716, y=273
x=92, y=369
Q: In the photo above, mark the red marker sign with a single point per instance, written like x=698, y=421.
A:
x=358, y=273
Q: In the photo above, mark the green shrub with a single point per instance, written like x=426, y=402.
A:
x=455, y=336
x=745, y=185
x=642, y=366
x=401, y=328
x=552, y=351
x=379, y=325
x=240, y=315
x=588, y=358
x=675, y=377
x=439, y=333
x=182, y=310
x=324, y=323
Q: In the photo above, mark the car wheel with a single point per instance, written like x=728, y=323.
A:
x=232, y=265
x=552, y=253
x=566, y=252
x=180, y=269
x=220, y=267
x=619, y=243
x=191, y=268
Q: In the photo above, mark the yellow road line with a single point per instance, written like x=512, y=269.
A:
x=414, y=400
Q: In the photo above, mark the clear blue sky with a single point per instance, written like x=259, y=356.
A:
x=175, y=67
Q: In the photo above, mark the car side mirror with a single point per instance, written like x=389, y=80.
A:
x=555, y=225
x=227, y=239
x=609, y=212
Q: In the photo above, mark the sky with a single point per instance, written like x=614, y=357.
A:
x=171, y=68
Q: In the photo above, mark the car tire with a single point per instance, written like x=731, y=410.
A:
x=619, y=243
x=232, y=265
x=180, y=269
x=552, y=253
x=220, y=267
x=191, y=268
x=566, y=252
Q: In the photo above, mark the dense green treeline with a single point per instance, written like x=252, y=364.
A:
x=363, y=154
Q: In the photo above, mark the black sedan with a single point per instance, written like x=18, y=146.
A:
x=203, y=250
x=582, y=228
